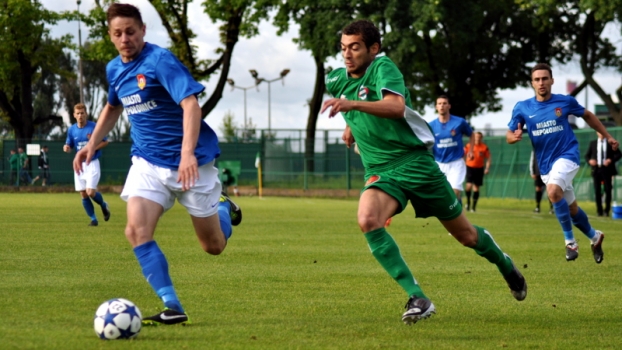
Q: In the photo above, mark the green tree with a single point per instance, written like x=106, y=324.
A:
x=229, y=128
x=26, y=49
x=467, y=50
x=319, y=24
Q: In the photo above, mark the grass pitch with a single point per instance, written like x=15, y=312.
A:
x=297, y=274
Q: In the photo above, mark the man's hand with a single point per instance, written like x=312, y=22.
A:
x=533, y=177
x=347, y=137
x=188, y=171
x=336, y=105
x=486, y=171
x=592, y=162
x=516, y=135
x=66, y=149
x=83, y=156
x=607, y=162
x=614, y=144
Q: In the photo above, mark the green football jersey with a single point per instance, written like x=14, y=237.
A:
x=380, y=140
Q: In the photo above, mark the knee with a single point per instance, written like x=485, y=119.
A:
x=91, y=192
x=214, y=249
x=137, y=235
x=368, y=222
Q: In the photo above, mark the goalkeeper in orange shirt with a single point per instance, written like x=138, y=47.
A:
x=475, y=169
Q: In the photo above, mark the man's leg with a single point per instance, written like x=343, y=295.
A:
x=467, y=191
x=88, y=208
x=375, y=207
x=538, y=198
x=475, y=196
x=580, y=220
x=99, y=199
x=608, y=190
x=481, y=241
x=142, y=218
x=598, y=196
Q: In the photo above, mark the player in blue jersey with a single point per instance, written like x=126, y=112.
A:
x=448, y=148
x=86, y=182
x=173, y=152
x=557, y=150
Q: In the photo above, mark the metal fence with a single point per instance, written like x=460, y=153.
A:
x=284, y=165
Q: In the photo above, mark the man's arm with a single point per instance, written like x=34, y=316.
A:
x=487, y=169
x=391, y=106
x=594, y=123
x=188, y=171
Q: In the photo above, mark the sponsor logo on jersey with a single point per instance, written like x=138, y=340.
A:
x=372, y=179
x=363, y=91
x=558, y=112
x=333, y=79
x=142, y=81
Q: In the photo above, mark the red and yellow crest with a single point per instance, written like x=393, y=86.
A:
x=372, y=179
x=142, y=81
x=558, y=112
x=453, y=132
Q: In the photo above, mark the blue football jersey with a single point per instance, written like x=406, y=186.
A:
x=448, y=144
x=150, y=88
x=78, y=137
x=548, y=128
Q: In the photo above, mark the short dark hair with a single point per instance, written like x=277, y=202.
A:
x=123, y=10
x=366, y=29
x=542, y=66
x=442, y=96
x=480, y=133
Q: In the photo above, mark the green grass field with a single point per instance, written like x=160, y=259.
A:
x=297, y=274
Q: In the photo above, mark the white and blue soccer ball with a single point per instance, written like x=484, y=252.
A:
x=117, y=319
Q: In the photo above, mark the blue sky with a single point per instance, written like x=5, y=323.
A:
x=269, y=54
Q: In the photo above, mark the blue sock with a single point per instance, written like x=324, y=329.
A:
x=98, y=198
x=88, y=207
x=581, y=222
x=225, y=218
x=155, y=269
x=563, y=216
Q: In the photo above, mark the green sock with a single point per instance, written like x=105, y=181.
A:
x=488, y=248
x=386, y=251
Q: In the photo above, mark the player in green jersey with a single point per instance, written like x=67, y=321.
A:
x=394, y=144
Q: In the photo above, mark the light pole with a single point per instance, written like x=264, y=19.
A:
x=81, y=83
x=259, y=80
x=233, y=86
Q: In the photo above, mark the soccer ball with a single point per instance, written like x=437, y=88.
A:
x=117, y=319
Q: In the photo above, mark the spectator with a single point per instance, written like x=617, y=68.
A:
x=602, y=158
x=14, y=165
x=44, y=167
x=24, y=175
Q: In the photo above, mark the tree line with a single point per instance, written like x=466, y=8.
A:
x=468, y=50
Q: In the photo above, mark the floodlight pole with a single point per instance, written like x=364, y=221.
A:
x=81, y=81
x=259, y=80
x=233, y=86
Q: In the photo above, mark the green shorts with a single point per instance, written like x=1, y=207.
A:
x=417, y=178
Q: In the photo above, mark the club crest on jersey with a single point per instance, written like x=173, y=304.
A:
x=142, y=81
x=88, y=136
x=363, y=91
x=372, y=179
x=453, y=132
x=558, y=112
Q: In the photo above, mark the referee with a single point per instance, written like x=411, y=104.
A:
x=475, y=169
